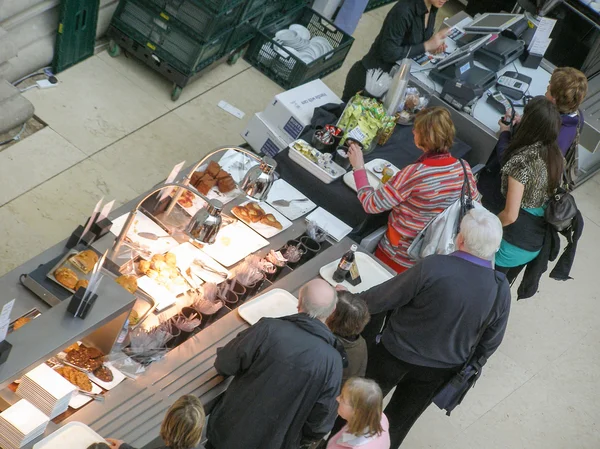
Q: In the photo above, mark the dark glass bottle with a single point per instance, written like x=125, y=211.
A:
x=345, y=264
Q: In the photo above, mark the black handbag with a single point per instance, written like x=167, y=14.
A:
x=452, y=394
x=561, y=210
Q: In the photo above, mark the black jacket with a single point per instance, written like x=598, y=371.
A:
x=538, y=266
x=287, y=377
x=402, y=35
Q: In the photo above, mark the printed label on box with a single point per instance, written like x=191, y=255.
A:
x=357, y=135
x=293, y=127
x=269, y=148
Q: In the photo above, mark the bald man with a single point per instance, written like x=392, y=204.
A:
x=288, y=374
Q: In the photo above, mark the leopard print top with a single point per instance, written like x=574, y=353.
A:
x=528, y=168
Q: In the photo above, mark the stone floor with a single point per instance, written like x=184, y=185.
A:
x=113, y=131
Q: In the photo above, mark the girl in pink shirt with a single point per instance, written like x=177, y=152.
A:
x=361, y=405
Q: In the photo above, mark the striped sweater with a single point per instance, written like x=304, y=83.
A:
x=415, y=195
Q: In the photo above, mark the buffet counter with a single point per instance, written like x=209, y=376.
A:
x=134, y=409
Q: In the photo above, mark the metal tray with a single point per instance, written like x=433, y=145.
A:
x=33, y=314
x=64, y=262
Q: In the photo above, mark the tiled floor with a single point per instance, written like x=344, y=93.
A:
x=114, y=132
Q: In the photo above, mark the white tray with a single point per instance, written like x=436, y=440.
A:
x=349, y=180
x=273, y=304
x=233, y=243
x=371, y=273
x=118, y=377
x=313, y=168
x=282, y=190
x=263, y=229
x=371, y=167
x=73, y=435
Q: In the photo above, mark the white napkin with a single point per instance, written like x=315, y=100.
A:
x=335, y=227
x=237, y=164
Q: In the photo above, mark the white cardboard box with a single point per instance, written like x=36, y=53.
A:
x=262, y=138
x=291, y=111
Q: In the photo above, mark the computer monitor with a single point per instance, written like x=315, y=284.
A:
x=463, y=53
x=492, y=23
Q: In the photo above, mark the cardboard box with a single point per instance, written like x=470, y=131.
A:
x=291, y=111
x=262, y=138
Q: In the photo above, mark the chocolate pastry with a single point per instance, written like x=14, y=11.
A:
x=213, y=168
x=206, y=183
x=222, y=174
x=93, y=353
x=104, y=374
x=66, y=277
x=226, y=184
x=80, y=358
x=196, y=176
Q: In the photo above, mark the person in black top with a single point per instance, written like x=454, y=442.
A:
x=407, y=32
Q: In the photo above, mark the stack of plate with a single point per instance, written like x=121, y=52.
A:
x=47, y=390
x=20, y=424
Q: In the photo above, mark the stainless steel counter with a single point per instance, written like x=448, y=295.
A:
x=133, y=411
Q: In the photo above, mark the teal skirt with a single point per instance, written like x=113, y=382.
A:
x=509, y=255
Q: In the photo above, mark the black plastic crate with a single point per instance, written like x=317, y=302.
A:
x=243, y=33
x=205, y=23
x=167, y=41
x=288, y=70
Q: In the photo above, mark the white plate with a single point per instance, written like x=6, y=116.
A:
x=162, y=297
x=329, y=223
x=301, y=31
x=375, y=167
x=79, y=400
x=263, y=229
x=371, y=273
x=118, y=377
x=233, y=243
x=142, y=223
x=282, y=190
x=350, y=182
x=73, y=435
x=273, y=304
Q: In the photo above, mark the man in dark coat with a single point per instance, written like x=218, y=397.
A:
x=288, y=374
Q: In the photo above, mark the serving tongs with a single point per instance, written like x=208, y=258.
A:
x=94, y=396
x=62, y=360
x=205, y=267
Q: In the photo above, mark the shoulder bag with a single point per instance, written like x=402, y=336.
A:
x=438, y=236
x=452, y=394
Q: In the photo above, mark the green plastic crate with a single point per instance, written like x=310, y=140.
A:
x=373, y=4
x=220, y=5
x=194, y=15
x=255, y=8
x=243, y=33
x=286, y=69
x=167, y=41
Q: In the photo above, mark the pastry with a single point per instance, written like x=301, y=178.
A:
x=270, y=220
x=76, y=377
x=196, y=176
x=92, y=353
x=255, y=212
x=80, y=358
x=66, y=277
x=104, y=374
x=255, y=206
x=171, y=259
x=222, y=174
x=129, y=283
x=81, y=283
x=73, y=347
x=186, y=199
x=226, y=185
x=144, y=266
x=134, y=318
x=241, y=212
x=152, y=274
x=206, y=183
x=21, y=322
x=85, y=260
x=213, y=169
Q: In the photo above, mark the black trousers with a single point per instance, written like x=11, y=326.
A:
x=511, y=272
x=355, y=81
x=416, y=386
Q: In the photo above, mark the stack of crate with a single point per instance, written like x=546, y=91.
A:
x=180, y=38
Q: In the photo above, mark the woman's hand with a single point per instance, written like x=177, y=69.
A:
x=503, y=126
x=355, y=155
x=114, y=444
x=436, y=41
